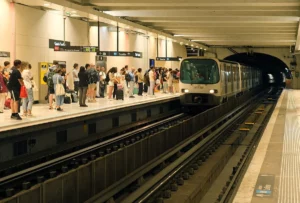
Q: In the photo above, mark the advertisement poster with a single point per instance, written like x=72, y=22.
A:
x=43, y=66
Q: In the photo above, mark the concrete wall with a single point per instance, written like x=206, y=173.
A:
x=7, y=33
x=296, y=80
x=134, y=42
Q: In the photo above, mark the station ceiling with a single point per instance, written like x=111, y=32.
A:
x=263, y=23
x=214, y=22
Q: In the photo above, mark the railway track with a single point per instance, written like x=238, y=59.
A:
x=24, y=179
x=203, y=158
x=112, y=169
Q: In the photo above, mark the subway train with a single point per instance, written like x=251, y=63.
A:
x=210, y=81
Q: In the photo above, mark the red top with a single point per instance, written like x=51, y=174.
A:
x=3, y=88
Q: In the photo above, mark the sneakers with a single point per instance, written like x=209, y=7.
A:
x=16, y=116
x=84, y=105
x=131, y=97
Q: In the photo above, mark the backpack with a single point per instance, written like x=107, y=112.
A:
x=45, y=78
x=107, y=79
x=127, y=77
x=146, y=77
x=50, y=80
x=93, y=77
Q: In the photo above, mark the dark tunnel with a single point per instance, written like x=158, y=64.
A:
x=267, y=63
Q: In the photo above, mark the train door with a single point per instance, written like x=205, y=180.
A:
x=229, y=83
x=224, y=77
x=231, y=77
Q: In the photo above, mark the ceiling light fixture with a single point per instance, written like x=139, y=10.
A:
x=46, y=4
x=73, y=11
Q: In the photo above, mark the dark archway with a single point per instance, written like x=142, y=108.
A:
x=267, y=63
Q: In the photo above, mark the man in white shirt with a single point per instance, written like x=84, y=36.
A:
x=75, y=77
x=152, y=81
x=102, y=75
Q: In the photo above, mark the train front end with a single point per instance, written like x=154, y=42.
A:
x=200, y=82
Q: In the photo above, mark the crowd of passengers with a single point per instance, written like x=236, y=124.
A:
x=87, y=82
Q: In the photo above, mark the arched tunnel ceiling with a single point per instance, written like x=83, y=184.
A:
x=214, y=22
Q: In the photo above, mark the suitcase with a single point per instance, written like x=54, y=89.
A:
x=7, y=103
x=67, y=99
x=74, y=97
x=120, y=95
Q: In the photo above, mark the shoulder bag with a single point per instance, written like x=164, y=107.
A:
x=59, y=88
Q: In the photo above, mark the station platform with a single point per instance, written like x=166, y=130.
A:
x=274, y=172
x=42, y=114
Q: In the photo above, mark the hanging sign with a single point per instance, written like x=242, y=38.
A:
x=168, y=58
x=76, y=48
x=134, y=54
x=4, y=54
x=53, y=43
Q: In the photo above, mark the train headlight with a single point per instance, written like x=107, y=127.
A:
x=185, y=91
x=213, y=91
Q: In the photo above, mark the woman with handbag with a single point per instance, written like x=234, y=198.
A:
x=59, y=89
x=27, y=102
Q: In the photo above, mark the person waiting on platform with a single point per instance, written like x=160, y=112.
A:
x=170, y=80
x=93, y=79
x=131, y=82
x=27, y=79
x=49, y=76
x=3, y=90
x=82, y=86
x=75, y=77
x=111, y=81
x=58, y=82
x=102, y=82
x=152, y=81
x=140, y=81
x=14, y=86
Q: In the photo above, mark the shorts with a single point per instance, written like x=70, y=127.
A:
x=51, y=91
x=92, y=86
x=15, y=95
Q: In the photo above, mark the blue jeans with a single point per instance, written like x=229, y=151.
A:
x=28, y=102
x=59, y=100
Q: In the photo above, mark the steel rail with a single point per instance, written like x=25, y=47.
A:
x=41, y=167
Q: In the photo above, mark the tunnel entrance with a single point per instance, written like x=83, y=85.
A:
x=270, y=66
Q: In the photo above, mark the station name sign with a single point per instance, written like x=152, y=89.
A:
x=168, y=58
x=134, y=54
x=53, y=43
x=4, y=54
x=76, y=48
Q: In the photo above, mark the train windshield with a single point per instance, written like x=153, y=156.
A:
x=199, y=71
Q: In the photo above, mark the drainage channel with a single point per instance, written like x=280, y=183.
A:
x=25, y=179
x=199, y=164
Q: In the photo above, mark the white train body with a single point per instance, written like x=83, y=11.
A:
x=210, y=81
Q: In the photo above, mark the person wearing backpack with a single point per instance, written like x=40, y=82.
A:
x=50, y=84
x=93, y=79
x=48, y=79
